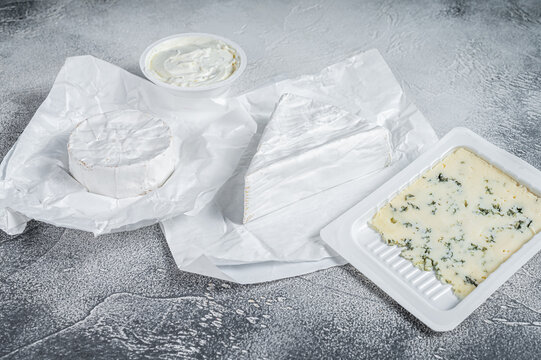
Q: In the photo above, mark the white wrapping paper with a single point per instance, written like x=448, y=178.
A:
x=286, y=242
x=34, y=177
x=208, y=238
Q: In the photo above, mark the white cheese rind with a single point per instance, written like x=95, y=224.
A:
x=308, y=147
x=121, y=154
x=463, y=218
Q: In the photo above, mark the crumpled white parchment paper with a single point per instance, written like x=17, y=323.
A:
x=204, y=231
x=34, y=177
x=286, y=242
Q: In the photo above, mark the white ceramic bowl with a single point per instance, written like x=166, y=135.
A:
x=204, y=91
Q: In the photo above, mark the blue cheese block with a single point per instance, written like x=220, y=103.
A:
x=462, y=219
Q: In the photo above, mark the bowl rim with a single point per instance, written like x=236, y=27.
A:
x=236, y=74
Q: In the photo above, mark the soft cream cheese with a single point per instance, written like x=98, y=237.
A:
x=192, y=61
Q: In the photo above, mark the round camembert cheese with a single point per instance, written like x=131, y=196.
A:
x=122, y=153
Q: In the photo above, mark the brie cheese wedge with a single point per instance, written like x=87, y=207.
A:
x=121, y=154
x=308, y=147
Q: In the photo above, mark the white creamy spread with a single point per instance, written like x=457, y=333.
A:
x=192, y=61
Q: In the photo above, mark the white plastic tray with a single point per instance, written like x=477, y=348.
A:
x=418, y=291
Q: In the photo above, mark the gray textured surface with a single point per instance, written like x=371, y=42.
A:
x=64, y=293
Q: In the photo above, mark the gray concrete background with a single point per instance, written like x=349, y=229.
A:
x=64, y=293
